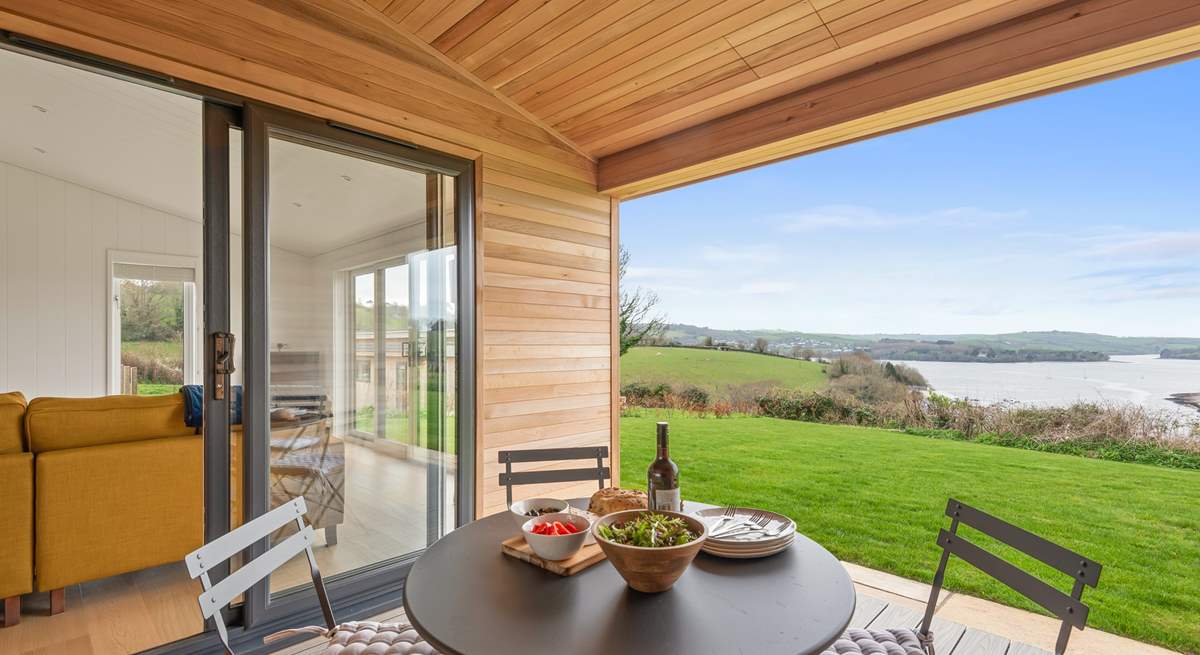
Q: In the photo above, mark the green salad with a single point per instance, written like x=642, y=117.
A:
x=649, y=530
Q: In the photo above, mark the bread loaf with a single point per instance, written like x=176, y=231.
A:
x=612, y=499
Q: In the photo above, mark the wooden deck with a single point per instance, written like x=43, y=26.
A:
x=949, y=638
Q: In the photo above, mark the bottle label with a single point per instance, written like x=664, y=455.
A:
x=666, y=499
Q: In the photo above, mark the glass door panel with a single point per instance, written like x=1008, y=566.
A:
x=356, y=397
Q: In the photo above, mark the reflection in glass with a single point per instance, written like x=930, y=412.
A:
x=361, y=324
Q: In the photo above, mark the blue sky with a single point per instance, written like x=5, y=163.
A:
x=1075, y=211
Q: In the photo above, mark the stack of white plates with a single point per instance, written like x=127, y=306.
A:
x=744, y=533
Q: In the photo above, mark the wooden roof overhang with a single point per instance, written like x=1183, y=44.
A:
x=665, y=92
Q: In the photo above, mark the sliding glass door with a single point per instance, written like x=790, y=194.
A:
x=352, y=386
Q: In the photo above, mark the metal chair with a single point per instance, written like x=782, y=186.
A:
x=509, y=479
x=1069, y=608
x=400, y=639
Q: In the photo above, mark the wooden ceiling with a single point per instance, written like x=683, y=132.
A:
x=612, y=77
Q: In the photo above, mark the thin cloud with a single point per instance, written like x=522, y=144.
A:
x=766, y=287
x=856, y=217
x=659, y=273
x=1151, y=245
x=756, y=254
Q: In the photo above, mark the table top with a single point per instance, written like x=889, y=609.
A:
x=466, y=598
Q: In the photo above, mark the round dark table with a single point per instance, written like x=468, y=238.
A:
x=467, y=598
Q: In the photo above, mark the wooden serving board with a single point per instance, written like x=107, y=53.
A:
x=588, y=555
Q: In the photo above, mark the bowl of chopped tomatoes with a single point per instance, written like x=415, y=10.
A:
x=556, y=536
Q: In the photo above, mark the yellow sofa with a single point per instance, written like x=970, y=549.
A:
x=16, y=507
x=118, y=487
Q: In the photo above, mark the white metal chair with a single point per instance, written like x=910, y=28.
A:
x=355, y=636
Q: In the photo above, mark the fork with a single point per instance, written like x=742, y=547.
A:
x=757, y=518
x=729, y=514
x=763, y=533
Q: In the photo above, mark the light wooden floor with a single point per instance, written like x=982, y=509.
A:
x=384, y=518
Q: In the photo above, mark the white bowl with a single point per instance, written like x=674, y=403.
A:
x=519, y=508
x=558, y=546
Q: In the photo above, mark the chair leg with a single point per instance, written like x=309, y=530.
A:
x=331, y=535
x=58, y=601
x=12, y=611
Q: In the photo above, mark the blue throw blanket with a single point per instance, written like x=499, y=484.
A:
x=193, y=405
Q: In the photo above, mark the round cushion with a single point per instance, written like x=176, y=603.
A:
x=371, y=638
x=893, y=641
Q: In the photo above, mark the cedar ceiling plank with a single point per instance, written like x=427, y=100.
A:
x=598, y=132
x=451, y=14
x=1043, y=39
x=636, y=28
x=530, y=24
x=479, y=16
x=783, y=76
x=714, y=54
x=776, y=21
x=513, y=15
x=797, y=35
x=796, y=50
x=835, y=9
x=422, y=14
x=912, y=14
x=610, y=17
x=398, y=10
x=380, y=4
x=567, y=21
x=280, y=48
x=670, y=48
x=725, y=65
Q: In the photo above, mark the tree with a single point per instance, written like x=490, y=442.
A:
x=637, y=318
x=760, y=345
x=707, y=342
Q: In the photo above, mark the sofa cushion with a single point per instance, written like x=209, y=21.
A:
x=60, y=423
x=12, y=422
x=106, y=510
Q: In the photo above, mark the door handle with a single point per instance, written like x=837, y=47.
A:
x=223, y=347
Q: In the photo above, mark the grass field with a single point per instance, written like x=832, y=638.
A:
x=877, y=497
x=154, y=349
x=716, y=370
x=153, y=389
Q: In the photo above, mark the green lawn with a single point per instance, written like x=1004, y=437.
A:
x=876, y=497
x=153, y=389
x=396, y=425
x=154, y=349
x=716, y=370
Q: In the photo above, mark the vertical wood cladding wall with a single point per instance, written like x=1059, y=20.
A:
x=545, y=285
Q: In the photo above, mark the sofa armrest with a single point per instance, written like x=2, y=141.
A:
x=16, y=524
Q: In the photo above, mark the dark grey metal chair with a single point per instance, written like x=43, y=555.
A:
x=1069, y=608
x=509, y=479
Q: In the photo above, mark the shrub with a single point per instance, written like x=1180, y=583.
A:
x=694, y=396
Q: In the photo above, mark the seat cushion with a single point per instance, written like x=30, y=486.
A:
x=12, y=422
x=371, y=638
x=893, y=641
x=61, y=423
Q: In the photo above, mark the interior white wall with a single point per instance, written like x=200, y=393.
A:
x=54, y=284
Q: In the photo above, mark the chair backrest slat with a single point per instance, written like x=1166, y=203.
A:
x=1054, y=601
x=509, y=478
x=232, y=543
x=256, y=569
x=552, y=454
x=554, y=475
x=1069, y=562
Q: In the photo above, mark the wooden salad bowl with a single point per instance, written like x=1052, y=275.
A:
x=650, y=570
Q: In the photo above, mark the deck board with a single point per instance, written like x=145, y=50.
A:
x=978, y=642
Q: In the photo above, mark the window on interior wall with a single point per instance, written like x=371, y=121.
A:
x=154, y=323
x=362, y=371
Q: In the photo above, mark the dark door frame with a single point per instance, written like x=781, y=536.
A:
x=365, y=591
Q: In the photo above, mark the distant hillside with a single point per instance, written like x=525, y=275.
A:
x=717, y=371
x=1024, y=341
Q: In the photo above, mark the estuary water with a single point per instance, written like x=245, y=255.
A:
x=1141, y=379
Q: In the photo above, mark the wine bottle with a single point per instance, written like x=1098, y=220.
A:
x=663, y=477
